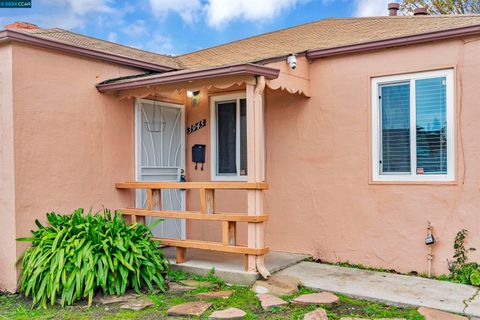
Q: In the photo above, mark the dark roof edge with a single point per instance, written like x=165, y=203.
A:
x=51, y=44
x=167, y=78
x=394, y=42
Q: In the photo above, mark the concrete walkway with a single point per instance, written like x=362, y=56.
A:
x=388, y=288
x=228, y=266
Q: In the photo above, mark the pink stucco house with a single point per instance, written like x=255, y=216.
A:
x=362, y=129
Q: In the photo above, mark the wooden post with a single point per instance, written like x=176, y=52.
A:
x=255, y=128
x=207, y=201
x=229, y=233
x=181, y=255
x=154, y=199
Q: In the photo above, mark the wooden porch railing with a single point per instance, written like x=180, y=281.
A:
x=207, y=213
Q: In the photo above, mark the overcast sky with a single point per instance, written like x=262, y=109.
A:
x=179, y=26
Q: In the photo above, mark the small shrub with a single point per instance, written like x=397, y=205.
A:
x=77, y=255
x=461, y=270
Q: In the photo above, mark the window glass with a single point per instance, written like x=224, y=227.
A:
x=226, y=137
x=395, y=128
x=243, y=137
x=431, y=120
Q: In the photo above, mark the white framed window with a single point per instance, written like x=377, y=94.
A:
x=413, y=127
x=228, y=114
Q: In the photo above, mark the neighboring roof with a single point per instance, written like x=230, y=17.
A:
x=70, y=40
x=323, y=34
x=143, y=80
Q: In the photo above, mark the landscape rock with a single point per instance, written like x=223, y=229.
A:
x=216, y=294
x=195, y=283
x=175, y=287
x=137, y=304
x=316, y=298
x=229, y=314
x=277, y=285
x=317, y=314
x=190, y=309
x=432, y=314
x=373, y=319
x=102, y=299
x=268, y=301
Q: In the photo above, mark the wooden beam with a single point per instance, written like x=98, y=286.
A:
x=195, y=215
x=214, y=246
x=193, y=185
x=229, y=233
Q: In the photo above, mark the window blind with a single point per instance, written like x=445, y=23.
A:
x=395, y=126
x=431, y=125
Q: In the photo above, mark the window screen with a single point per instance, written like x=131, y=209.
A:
x=431, y=130
x=395, y=128
x=226, y=137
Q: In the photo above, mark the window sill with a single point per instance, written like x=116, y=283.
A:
x=229, y=179
x=445, y=183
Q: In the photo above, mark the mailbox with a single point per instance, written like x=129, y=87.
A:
x=198, y=155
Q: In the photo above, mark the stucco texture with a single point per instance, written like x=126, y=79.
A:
x=71, y=143
x=321, y=200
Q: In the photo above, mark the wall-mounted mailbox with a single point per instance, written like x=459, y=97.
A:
x=198, y=155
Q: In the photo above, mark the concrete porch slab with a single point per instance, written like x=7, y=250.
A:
x=229, y=267
x=388, y=288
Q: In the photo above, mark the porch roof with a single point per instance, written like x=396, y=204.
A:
x=146, y=80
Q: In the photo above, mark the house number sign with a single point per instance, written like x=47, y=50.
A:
x=197, y=126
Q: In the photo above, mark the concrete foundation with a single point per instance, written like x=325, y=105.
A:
x=230, y=267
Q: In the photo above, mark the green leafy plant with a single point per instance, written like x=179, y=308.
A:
x=461, y=270
x=77, y=255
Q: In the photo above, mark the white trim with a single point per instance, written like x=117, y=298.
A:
x=213, y=137
x=450, y=113
x=138, y=128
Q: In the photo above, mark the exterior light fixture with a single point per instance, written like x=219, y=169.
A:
x=193, y=94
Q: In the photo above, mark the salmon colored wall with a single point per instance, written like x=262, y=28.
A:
x=7, y=178
x=317, y=150
x=225, y=200
x=71, y=142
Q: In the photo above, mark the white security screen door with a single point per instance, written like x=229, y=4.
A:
x=160, y=156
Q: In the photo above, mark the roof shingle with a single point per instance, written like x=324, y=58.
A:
x=322, y=34
x=86, y=42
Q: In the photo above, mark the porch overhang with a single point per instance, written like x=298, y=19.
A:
x=176, y=77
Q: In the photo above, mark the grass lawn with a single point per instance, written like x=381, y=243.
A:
x=17, y=307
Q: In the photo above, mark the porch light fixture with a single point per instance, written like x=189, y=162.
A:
x=194, y=95
x=157, y=122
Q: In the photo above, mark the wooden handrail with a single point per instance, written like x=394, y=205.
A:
x=206, y=213
x=195, y=215
x=214, y=246
x=193, y=185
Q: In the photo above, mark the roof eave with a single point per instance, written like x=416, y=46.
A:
x=56, y=45
x=166, y=78
x=394, y=42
